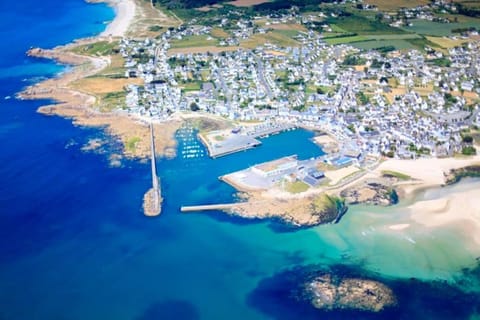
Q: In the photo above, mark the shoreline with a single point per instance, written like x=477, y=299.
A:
x=125, y=11
x=79, y=105
x=457, y=208
x=425, y=174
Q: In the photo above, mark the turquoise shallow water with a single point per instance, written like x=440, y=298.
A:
x=75, y=244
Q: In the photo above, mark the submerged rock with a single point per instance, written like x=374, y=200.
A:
x=329, y=292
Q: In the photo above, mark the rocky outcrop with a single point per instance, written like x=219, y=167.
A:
x=329, y=292
x=373, y=192
x=455, y=175
x=296, y=212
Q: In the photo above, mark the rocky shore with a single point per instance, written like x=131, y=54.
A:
x=455, y=175
x=372, y=192
x=79, y=105
x=298, y=212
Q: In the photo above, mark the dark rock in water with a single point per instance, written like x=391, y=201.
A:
x=330, y=292
x=393, y=197
x=339, y=292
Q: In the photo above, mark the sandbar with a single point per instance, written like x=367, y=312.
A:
x=399, y=227
x=461, y=208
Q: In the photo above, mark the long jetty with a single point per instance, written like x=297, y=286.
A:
x=152, y=201
x=208, y=207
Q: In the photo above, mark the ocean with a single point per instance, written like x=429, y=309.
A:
x=75, y=244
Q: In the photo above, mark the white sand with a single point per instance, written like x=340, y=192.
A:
x=426, y=172
x=124, y=14
x=460, y=208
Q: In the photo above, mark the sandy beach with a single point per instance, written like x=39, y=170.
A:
x=424, y=172
x=124, y=14
x=459, y=208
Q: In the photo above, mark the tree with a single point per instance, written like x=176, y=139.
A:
x=362, y=98
x=467, y=139
x=469, y=151
x=194, y=107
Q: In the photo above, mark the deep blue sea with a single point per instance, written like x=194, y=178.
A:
x=74, y=243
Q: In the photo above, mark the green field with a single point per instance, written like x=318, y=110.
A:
x=394, y=36
x=469, y=3
x=193, y=41
x=112, y=100
x=192, y=86
x=131, y=144
x=368, y=42
x=421, y=43
x=296, y=187
x=439, y=29
x=363, y=26
x=372, y=44
x=396, y=174
x=337, y=29
x=100, y=48
x=336, y=38
x=275, y=37
x=340, y=40
x=289, y=33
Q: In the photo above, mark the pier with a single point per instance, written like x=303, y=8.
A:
x=208, y=207
x=267, y=130
x=152, y=201
x=234, y=144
